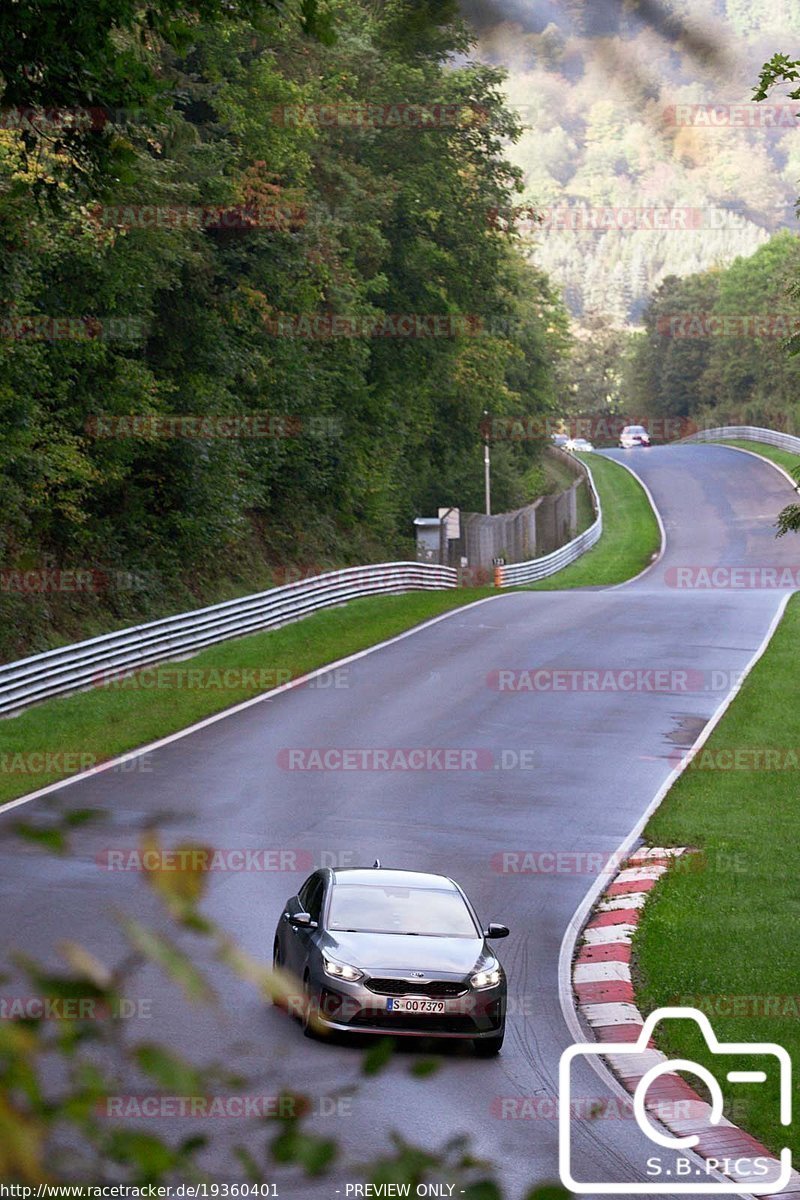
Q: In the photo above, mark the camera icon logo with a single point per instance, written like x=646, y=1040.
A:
x=754, y=1175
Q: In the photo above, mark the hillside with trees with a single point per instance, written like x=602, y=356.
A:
x=626, y=114
x=277, y=222
x=714, y=348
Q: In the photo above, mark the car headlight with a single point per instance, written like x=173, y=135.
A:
x=340, y=970
x=484, y=979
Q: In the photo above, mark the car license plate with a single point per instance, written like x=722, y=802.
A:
x=414, y=1004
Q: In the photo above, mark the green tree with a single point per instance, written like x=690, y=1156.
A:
x=357, y=219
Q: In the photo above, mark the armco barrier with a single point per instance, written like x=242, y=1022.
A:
x=539, y=568
x=71, y=668
x=748, y=433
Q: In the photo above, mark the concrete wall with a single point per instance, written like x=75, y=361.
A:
x=538, y=528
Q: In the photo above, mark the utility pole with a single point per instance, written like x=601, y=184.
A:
x=487, y=464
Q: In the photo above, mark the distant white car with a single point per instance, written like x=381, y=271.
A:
x=579, y=444
x=559, y=439
x=634, y=435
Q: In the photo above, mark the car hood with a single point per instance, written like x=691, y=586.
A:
x=407, y=952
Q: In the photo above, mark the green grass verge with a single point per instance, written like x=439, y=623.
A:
x=99, y=724
x=109, y=720
x=630, y=532
x=784, y=458
x=726, y=933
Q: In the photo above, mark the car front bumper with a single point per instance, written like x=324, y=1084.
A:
x=354, y=1008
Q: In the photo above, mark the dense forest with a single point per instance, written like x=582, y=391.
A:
x=263, y=268
x=635, y=165
x=276, y=229
x=715, y=346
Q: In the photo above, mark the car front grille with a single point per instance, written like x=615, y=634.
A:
x=440, y=988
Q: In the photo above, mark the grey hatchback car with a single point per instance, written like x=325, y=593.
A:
x=393, y=952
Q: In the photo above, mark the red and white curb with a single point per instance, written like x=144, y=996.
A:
x=602, y=983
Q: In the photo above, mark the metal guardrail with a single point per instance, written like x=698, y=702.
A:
x=82, y=665
x=539, y=568
x=72, y=668
x=75, y=667
x=748, y=433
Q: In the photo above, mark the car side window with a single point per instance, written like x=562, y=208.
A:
x=314, y=900
x=305, y=891
x=310, y=896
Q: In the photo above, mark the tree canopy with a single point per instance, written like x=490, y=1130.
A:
x=280, y=214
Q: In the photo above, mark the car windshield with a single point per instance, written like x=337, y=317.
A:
x=370, y=908
x=637, y=429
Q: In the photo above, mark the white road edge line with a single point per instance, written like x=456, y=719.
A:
x=754, y=454
x=129, y=755
x=578, y=920
x=284, y=687
x=662, y=531
x=581, y=914
x=237, y=708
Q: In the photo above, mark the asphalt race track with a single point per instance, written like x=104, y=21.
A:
x=594, y=760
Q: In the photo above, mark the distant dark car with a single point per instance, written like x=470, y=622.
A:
x=393, y=952
x=634, y=435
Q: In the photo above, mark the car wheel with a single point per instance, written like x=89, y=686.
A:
x=489, y=1047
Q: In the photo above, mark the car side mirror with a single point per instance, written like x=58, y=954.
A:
x=495, y=930
x=303, y=919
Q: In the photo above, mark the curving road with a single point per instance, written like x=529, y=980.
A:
x=595, y=759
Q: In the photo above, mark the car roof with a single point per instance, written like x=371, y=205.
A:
x=378, y=877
